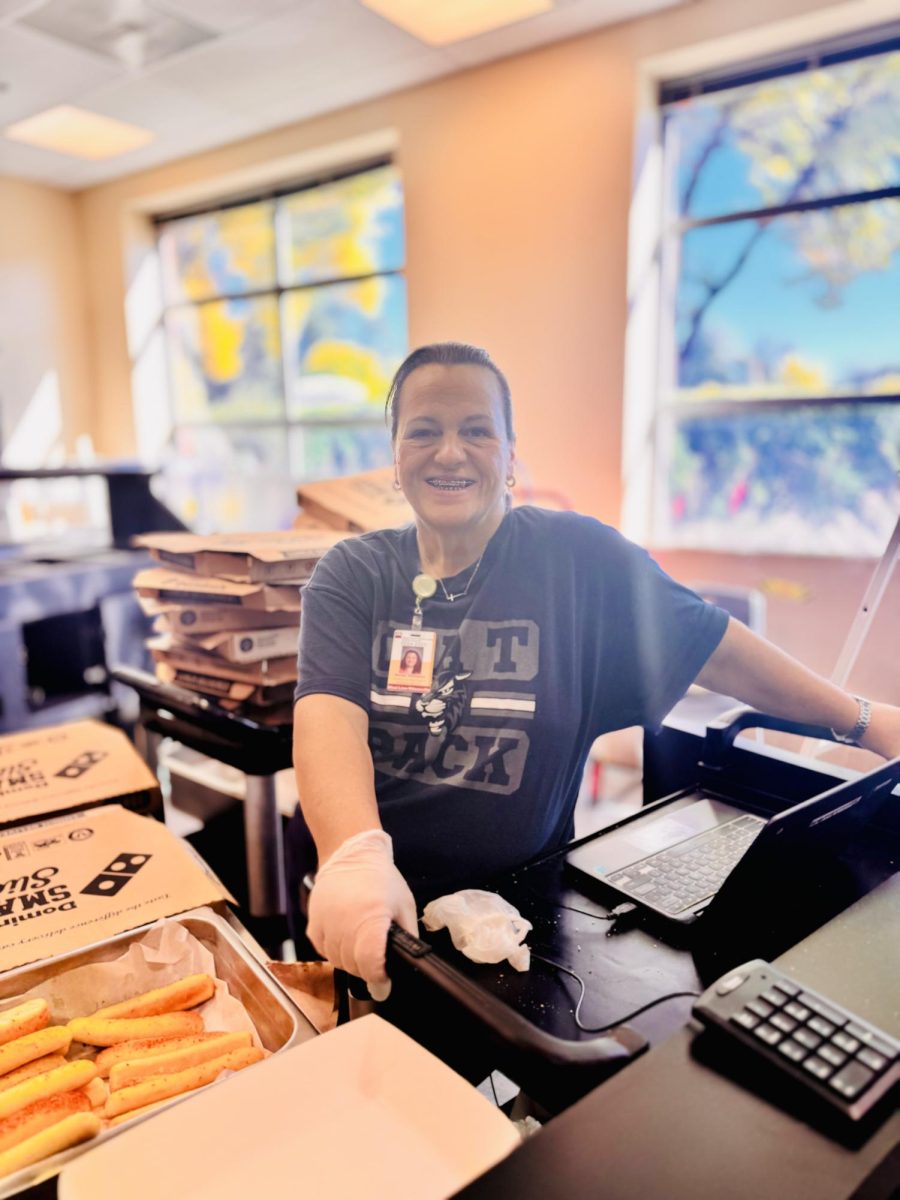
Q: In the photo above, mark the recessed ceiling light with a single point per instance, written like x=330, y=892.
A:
x=439, y=22
x=80, y=133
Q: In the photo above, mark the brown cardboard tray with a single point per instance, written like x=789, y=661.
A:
x=279, y=1024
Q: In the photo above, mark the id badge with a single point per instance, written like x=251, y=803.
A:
x=411, y=665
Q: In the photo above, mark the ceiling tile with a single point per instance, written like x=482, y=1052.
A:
x=309, y=47
x=155, y=105
x=11, y=10
x=225, y=16
x=40, y=73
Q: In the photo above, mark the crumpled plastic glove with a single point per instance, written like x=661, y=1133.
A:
x=482, y=925
x=357, y=893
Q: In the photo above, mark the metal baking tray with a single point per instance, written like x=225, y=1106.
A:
x=279, y=1023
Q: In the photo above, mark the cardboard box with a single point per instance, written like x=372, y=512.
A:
x=244, y=557
x=68, y=883
x=241, y=646
x=169, y=588
x=375, y=1115
x=357, y=503
x=70, y=767
x=267, y=670
x=207, y=618
x=227, y=689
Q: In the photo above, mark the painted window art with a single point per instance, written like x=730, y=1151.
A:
x=779, y=400
x=284, y=320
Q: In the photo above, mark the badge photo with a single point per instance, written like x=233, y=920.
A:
x=411, y=665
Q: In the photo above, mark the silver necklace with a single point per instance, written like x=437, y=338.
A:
x=459, y=595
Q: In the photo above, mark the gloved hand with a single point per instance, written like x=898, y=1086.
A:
x=357, y=893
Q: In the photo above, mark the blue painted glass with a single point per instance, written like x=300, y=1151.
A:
x=810, y=479
x=805, y=305
x=342, y=344
x=225, y=253
x=225, y=360
x=818, y=134
x=342, y=230
x=327, y=451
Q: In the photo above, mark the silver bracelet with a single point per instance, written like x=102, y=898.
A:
x=862, y=724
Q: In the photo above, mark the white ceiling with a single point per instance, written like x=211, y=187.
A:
x=244, y=67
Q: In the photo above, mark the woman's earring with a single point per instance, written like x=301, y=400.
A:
x=511, y=481
x=396, y=484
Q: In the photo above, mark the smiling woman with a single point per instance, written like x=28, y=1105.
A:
x=538, y=631
x=454, y=458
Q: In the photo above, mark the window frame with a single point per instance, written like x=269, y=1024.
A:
x=655, y=227
x=285, y=423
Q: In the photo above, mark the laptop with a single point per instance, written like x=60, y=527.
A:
x=698, y=855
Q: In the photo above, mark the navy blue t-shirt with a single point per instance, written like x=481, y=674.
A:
x=567, y=631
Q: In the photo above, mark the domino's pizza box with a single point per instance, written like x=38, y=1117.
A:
x=65, y=768
x=356, y=503
x=238, y=646
x=166, y=587
x=246, y=557
x=211, y=618
x=362, y=1110
x=79, y=880
x=181, y=657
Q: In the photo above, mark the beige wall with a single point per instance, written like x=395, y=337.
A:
x=517, y=179
x=43, y=322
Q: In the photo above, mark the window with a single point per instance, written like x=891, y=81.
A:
x=284, y=320
x=777, y=419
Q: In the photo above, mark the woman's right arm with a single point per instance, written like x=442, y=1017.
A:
x=358, y=891
x=335, y=776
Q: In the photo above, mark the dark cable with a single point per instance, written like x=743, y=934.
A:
x=619, y=1020
x=556, y=904
x=584, y=912
x=494, y=1090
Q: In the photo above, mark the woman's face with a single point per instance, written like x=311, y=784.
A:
x=410, y=660
x=452, y=453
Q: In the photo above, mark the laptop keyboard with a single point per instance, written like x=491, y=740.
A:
x=683, y=875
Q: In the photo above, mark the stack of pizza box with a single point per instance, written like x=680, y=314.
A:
x=227, y=613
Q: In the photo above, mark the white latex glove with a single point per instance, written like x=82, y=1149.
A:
x=357, y=893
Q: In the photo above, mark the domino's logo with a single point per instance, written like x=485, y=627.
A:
x=111, y=880
x=77, y=767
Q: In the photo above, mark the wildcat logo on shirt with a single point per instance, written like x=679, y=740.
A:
x=449, y=734
x=442, y=706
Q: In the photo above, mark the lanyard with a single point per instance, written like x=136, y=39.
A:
x=424, y=587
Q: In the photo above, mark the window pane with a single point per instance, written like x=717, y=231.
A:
x=821, y=133
x=225, y=360
x=343, y=229
x=808, y=480
x=230, y=479
x=324, y=451
x=343, y=342
x=804, y=305
x=224, y=253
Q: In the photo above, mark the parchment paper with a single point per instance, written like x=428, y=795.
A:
x=166, y=952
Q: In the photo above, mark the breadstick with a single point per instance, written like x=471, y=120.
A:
x=27, y=1121
x=147, y=1047
x=56, y=1039
x=97, y=1092
x=107, y=1031
x=37, y=1066
x=174, y=997
x=163, y=1087
x=124, y=1074
x=66, y=1078
x=27, y=1017
x=136, y=1112
x=65, y=1133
